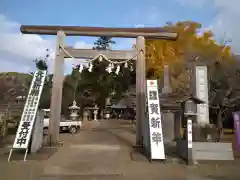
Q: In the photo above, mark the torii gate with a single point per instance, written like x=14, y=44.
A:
x=61, y=31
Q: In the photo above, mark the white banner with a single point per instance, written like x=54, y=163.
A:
x=29, y=113
x=155, y=124
x=202, y=93
x=189, y=133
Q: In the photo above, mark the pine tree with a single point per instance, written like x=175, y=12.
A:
x=103, y=43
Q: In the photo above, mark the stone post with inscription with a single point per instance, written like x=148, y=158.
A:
x=201, y=89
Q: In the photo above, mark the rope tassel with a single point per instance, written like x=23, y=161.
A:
x=101, y=57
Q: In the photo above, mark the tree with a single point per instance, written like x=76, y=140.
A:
x=103, y=43
x=221, y=63
x=224, y=91
x=41, y=63
x=99, y=84
x=173, y=53
x=178, y=53
x=46, y=93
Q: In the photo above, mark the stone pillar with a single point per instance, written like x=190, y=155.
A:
x=166, y=81
x=177, y=125
x=140, y=89
x=56, y=99
x=201, y=89
x=168, y=116
x=168, y=126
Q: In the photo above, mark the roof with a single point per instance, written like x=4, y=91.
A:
x=195, y=99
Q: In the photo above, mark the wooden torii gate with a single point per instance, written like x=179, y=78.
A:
x=61, y=31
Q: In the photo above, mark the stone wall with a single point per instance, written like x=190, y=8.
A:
x=206, y=150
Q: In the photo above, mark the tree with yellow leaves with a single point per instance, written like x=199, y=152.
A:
x=224, y=94
x=177, y=54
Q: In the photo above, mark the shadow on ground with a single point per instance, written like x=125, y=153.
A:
x=128, y=129
x=42, y=155
x=120, y=138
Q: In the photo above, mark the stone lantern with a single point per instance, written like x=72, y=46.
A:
x=190, y=112
x=190, y=106
x=74, y=111
x=95, y=112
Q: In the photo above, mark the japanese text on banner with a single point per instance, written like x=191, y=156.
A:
x=28, y=117
x=155, y=124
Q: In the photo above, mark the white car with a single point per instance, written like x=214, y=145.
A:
x=65, y=125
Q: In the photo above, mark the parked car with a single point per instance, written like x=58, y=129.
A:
x=65, y=125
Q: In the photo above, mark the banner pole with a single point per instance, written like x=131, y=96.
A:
x=10, y=154
x=25, y=156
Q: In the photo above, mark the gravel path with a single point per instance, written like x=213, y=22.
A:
x=102, y=151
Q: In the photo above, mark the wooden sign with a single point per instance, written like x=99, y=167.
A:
x=155, y=123
x=189, y=133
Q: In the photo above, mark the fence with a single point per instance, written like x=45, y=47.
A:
x=9, y=114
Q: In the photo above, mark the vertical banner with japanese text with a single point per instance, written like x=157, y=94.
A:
x=155, y=124
x=26, y=124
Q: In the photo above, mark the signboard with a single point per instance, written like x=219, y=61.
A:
x=155, y=124
x=202, y=93
x=236, y=117
x=189, y=133
x=29, y=113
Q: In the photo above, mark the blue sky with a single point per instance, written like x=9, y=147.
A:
x=108, y=13
x=102, y=13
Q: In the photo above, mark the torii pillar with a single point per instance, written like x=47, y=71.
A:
x=140, y=90
x=57, y=86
